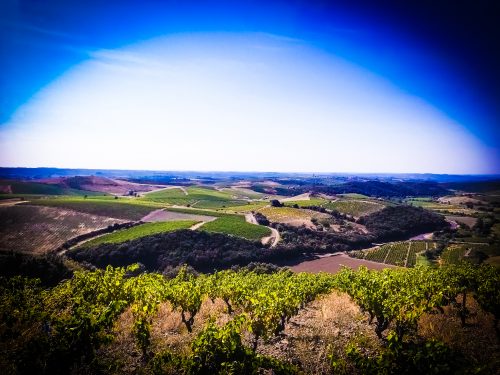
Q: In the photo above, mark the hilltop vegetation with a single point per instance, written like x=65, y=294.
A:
x=202, y=250
x=393, y=223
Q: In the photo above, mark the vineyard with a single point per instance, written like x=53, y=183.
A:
x=307, y=202
x=139, y=231
x=196, y=197
x=126, y=209
x=403, y=254
x=121, y=321
x=289, y=214
x=355, y=208
x=453, y=254
x=40, y=229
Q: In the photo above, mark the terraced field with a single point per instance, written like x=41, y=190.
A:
x=139, y=231
x=199, y=197
x=38, y=229
x=354, y=207
x=126, y=209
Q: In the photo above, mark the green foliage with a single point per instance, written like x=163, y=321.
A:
x=61, y=329
x=398, y=357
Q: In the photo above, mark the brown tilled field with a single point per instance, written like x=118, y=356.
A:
x=334, y=263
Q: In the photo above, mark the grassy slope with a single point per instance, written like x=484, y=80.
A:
x=142, y=230
x=237, y=226
x=306, y=203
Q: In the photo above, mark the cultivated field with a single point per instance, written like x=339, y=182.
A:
x=195, y=196
x=292, y=216
x=334, y=263
x=355, y=207
x=139, y=231
x=122, y=208
x=35, y=188
x=164, y=215
x=237, y=226
x=403, y=254
x=40, y=229
x=467, y=220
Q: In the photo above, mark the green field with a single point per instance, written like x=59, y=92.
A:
x=355, y=208
x=200, y=197
x=306, y=203
x=127, y=209
x=195, y=211
x=354, y=196
x=237, y=226
x=139, y=231
x=242, y=193
x=249, y=207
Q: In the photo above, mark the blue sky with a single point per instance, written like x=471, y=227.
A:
x=258, y=86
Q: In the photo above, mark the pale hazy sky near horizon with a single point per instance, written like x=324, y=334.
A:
x=242, y=102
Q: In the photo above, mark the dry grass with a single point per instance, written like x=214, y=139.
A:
x=167, y=332
x=477, y=340
x=327, y=325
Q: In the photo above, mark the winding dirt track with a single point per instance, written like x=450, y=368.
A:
x=274, y=237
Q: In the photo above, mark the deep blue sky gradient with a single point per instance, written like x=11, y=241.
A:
x=446, y=54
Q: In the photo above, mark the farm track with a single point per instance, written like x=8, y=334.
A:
x=274, y=237
x=198, y=225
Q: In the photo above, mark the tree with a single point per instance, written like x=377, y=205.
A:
x=276, y=203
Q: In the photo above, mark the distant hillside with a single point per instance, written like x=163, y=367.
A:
x=99, y=184
x=372, y=188
x=475, y=186
x=29, y=187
